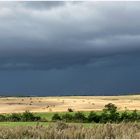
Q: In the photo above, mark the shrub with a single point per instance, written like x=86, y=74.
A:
x=38, y=118
x=56, y=117
x=14, y=117
x=104, y=117
x=2, y=118
x=134, y=116
x=67, y=117
x=114, y=117
x=79, y=117
x=28, y=116
x=93, y=117
x=125, y=116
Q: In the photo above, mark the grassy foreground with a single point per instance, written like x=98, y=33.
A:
x=13, y=124
x=72, y=131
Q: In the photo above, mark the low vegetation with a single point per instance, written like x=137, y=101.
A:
x=24, y=117
x=73, y=131
x=108, y=115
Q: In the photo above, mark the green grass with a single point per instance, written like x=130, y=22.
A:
x=48, y=115
x=13, y=124
x=24, y=123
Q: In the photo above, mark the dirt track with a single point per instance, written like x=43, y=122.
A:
x=59, y=104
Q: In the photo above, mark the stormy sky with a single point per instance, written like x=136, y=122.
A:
x=69, y=48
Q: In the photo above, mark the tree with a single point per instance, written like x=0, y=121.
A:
x=110, y=113
x=110, y=108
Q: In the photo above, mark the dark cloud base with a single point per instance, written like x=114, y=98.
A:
x=72, y=81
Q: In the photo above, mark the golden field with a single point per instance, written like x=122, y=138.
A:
x=62, y=103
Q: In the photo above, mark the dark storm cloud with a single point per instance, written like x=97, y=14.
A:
x=57, y=35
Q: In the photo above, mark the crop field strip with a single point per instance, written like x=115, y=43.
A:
x=62, y=103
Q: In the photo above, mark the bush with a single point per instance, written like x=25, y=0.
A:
x=104, y=117
x=135, y=116
x=2, y=118
x=56, y=117
x=28, y=116
x=79, y=117
x=93, y=117
x=114, y=117
x=125, y=116
x=67, y=117
x=38, y=118
x=14, y=117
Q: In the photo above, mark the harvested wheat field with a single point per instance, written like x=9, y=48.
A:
x=61, y=104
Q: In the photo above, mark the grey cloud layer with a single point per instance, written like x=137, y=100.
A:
x=53, y=35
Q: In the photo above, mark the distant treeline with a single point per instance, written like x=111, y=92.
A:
x=108, y=114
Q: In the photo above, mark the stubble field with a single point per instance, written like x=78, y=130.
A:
x=61, y=104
